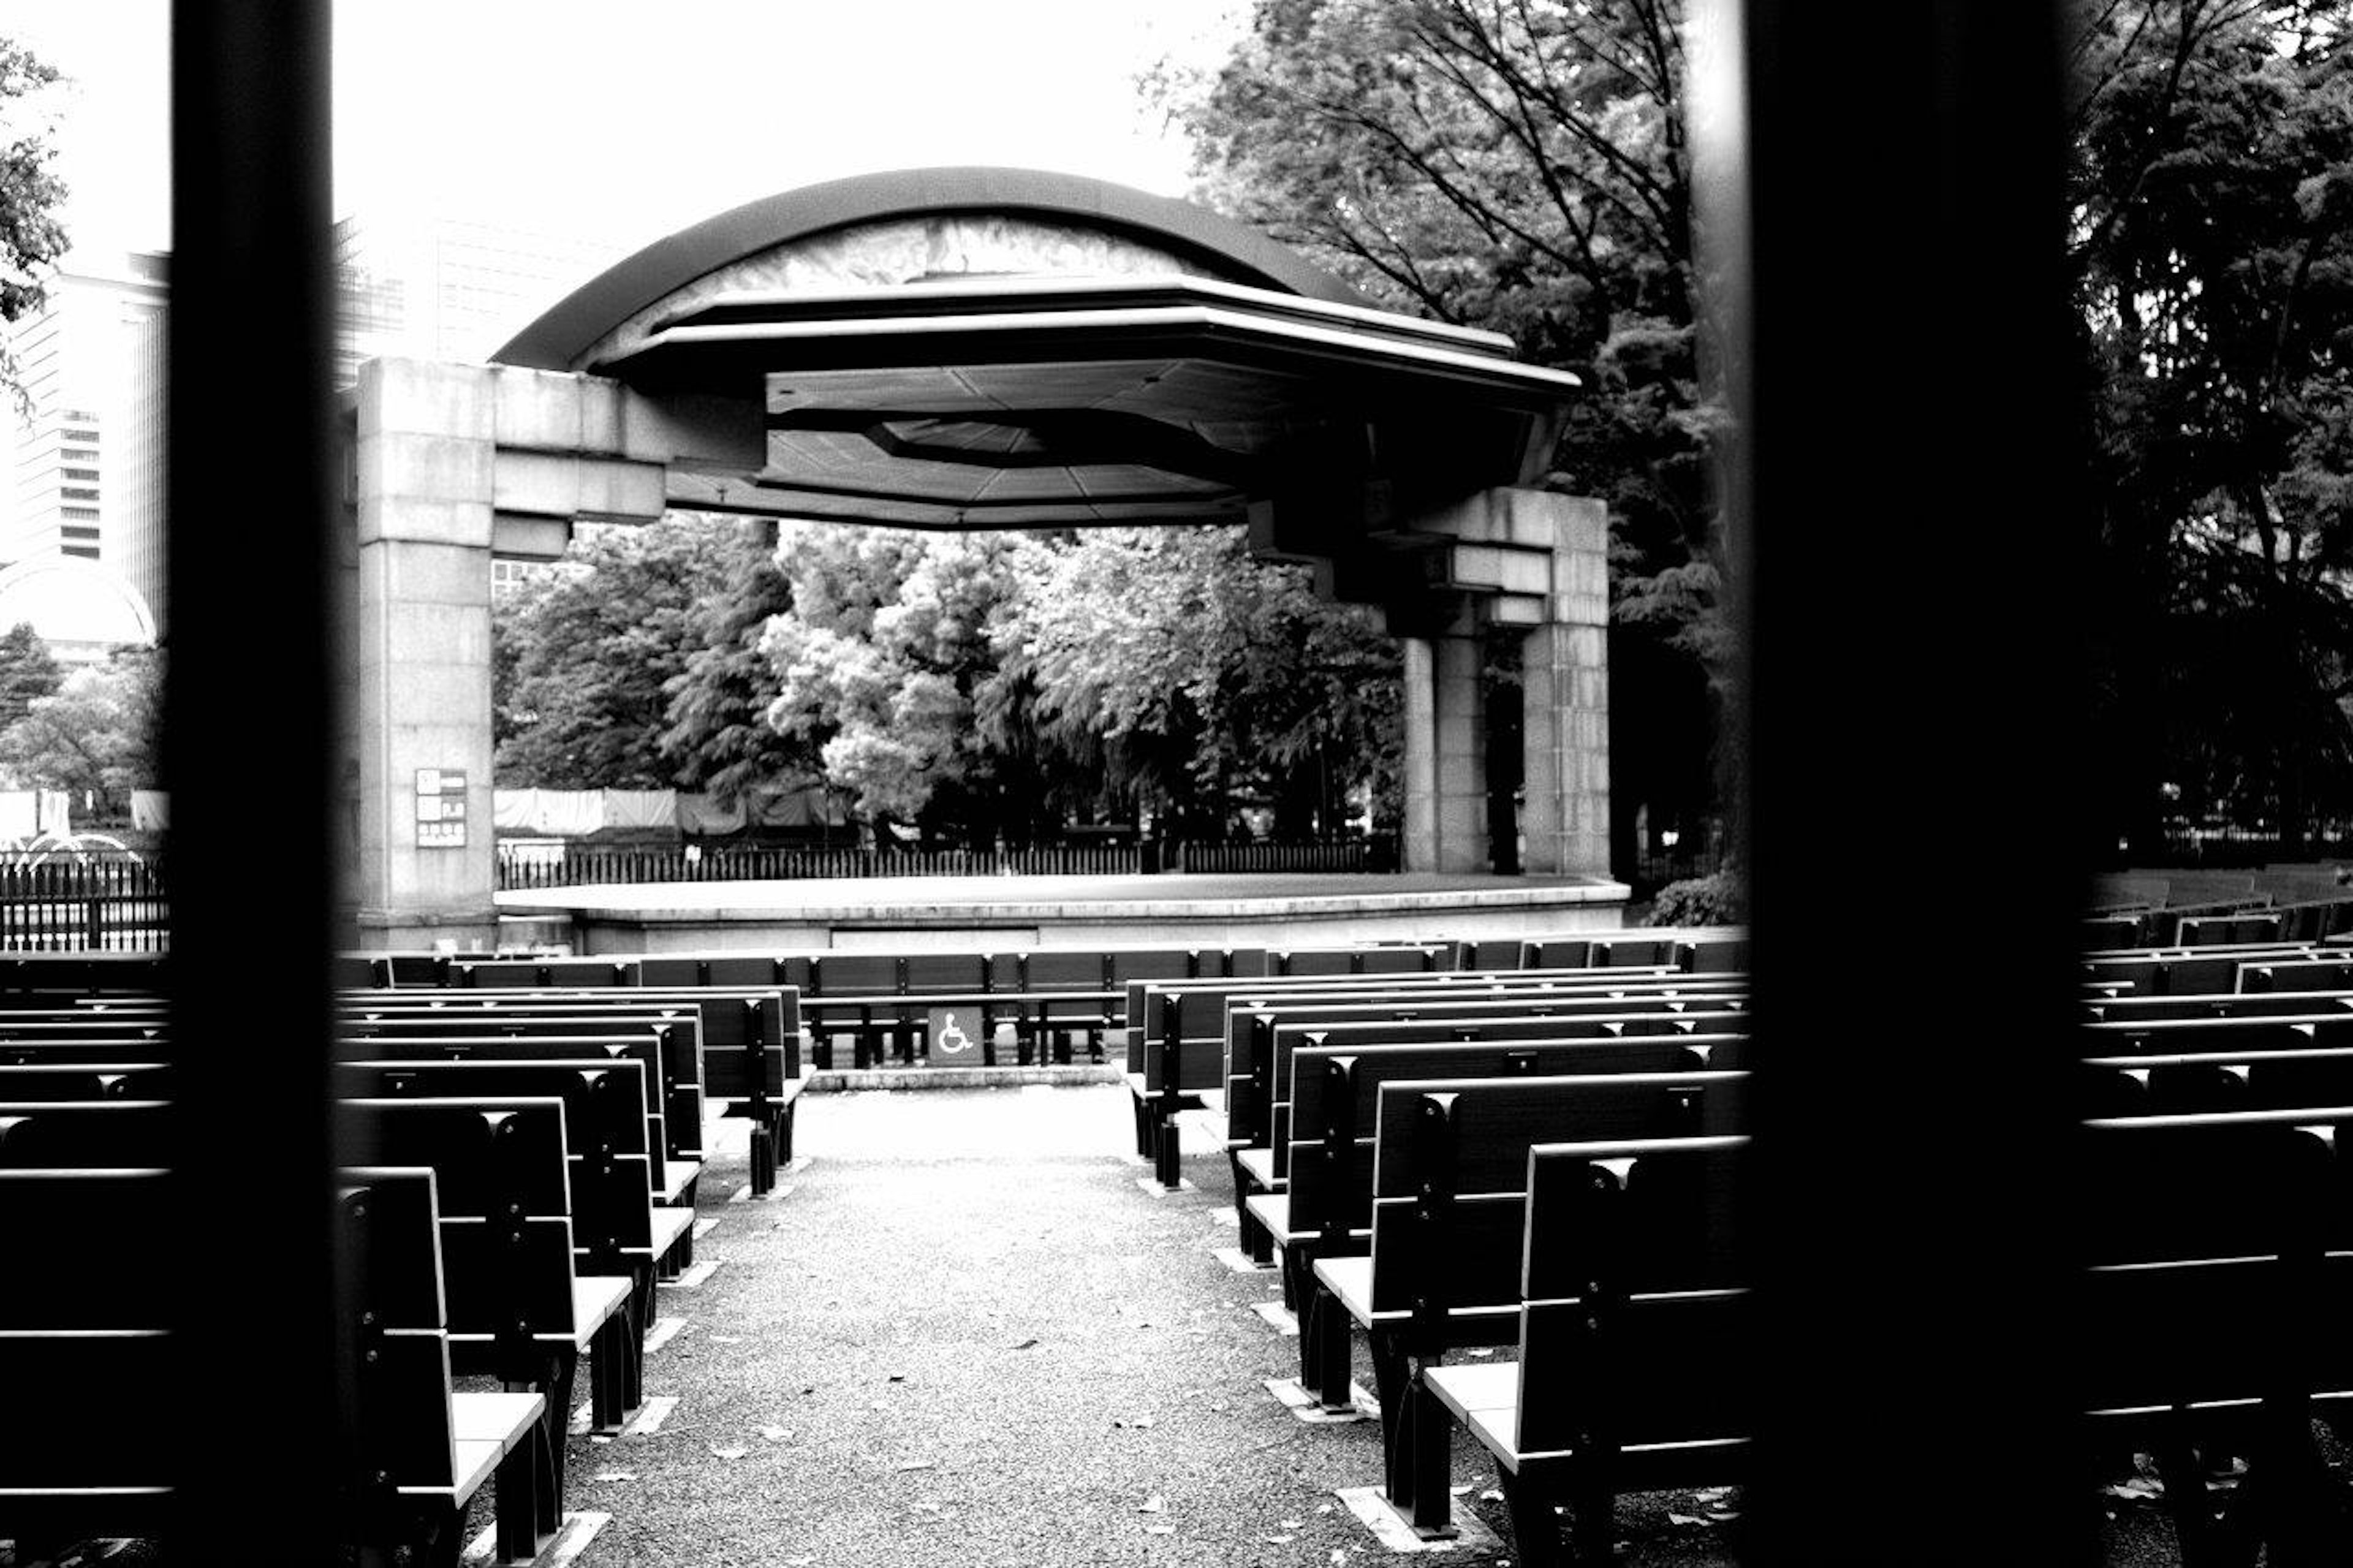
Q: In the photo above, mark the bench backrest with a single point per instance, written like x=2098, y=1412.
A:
x=665, y=1127
x=1635, y=1315
x=1331, y=1167
x=608, y=1172
x=1265, y=1098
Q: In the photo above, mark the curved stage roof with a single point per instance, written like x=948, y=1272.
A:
x=994, y=348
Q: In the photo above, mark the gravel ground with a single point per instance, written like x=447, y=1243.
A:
x=967, y=1336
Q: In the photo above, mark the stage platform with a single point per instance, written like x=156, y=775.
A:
x=940, y=913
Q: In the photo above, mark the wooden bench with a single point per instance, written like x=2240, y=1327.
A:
x=617, y=1226
x=518, y=1308
x=1489, y=1126
x=1633, y=1326
x=83, y=1355
x=749, y=1042
x=1324, y=1205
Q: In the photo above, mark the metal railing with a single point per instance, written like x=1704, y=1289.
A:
x=529, y=868
x=105, y=906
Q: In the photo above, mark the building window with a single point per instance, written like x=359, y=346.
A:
x=81, y=435
x=87, y=551
x=76, y=455
x=89, y=474
x=72, y=494
x=89, y=535
x=80, y=514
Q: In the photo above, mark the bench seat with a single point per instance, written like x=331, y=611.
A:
x=677, y=1176
x=1485, y=1398
x=596, y=1299
x=1258, y=1164
x=488, y=1428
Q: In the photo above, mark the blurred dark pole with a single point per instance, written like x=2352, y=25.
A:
x=1884, y=232
x=248, y=721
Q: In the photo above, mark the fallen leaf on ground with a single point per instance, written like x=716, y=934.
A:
x=1277, y=1539
x=1159, y=1530
x=1026, y=1345
x=614, y=1476
x=1685, y=1518
x=912, y=1464
x=732, y=1451
x=725, y=1339
x=1156, y=1503
x=2138, y=1486
x=774, y=1434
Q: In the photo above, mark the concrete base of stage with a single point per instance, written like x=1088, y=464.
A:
x=943, y=913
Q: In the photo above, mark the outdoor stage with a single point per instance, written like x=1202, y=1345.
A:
x=904, y=914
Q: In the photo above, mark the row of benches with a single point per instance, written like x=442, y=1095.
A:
x=1054, y=1003
x=1518, y=1180
x=559, y=1141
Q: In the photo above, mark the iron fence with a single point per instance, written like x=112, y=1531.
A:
x=535, y=867
x=103, y=905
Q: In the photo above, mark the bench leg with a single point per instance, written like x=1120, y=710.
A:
x=1429, y=1441
x=1535, y=1526
x=2294, y=1511
x=1167, y=1157
x=610, y=1377
x=1593, y=1525
x=2203, y=1536
x=1392, y=1385
x=763, y=1160
x=781, y=1137
x=1330, y=1355
x=530, y=1506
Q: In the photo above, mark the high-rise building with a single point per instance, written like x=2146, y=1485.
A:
x=447, y=289
x=90, y=452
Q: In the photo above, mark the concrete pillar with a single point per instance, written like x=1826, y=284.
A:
x=1460, y=720
x=1445, y=755
x=1565, y=665
x=1419, y=677
x=426, y=463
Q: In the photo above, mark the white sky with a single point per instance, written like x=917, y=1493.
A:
x=624, y=120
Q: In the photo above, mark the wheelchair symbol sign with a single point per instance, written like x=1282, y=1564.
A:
x=955, y=1036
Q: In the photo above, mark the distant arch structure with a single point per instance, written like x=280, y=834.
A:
x=971, y=348
x=82, y=609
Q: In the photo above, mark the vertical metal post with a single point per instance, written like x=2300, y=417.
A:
x=1882, y=207
x=249, y=700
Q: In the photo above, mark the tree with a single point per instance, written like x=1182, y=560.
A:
x=31, y=238
x=1519, y=165
x=97, y=732
x=1204, y=679
x=718, y=737
x=2213, y=241
x=582, y=656
x=883, y=662
x=28, y=671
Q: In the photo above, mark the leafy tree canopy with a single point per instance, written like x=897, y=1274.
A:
x=31, y=238
x=28, y=671
x=97, y=731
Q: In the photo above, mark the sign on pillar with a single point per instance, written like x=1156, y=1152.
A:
x=441, y=808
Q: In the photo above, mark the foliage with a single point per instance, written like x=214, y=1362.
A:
x=28, y=671
x=1206, y=678
x=97, y=731
x=1518, y=165
x=884, y=659
x=2213, y=238
x=31, y=238
x=718, y=737
x=1721, y=900
x=583, y=654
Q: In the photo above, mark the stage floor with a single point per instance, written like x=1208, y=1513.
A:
x=1058, y=911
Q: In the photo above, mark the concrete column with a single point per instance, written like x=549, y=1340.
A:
x=1566, y=668
x=1459, y=719
x=425, y=480
x=1419, y=675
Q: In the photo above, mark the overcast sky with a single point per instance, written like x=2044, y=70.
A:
x=624, y=120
